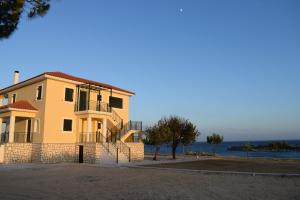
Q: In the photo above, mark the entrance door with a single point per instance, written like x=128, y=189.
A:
x=98, y=133
x=82, y=100
x=80, y=154
x=28, y=134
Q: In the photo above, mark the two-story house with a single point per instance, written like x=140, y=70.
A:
x=57, y=117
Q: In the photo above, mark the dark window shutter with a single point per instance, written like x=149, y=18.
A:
x=39, y=93
x=68, y=125
x=116, y=102
x=69, y=94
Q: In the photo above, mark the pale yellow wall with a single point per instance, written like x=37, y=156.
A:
x=28, y=93
x=56, y=110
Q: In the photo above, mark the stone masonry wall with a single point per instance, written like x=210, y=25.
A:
x=17, y=153
x=89, y=152
x=137, y=150
x=55, y=153
x=39, y=153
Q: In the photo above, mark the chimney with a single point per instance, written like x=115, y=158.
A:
x=16, y=77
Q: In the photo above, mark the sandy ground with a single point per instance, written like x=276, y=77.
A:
x=81, y=181
x=258, y=165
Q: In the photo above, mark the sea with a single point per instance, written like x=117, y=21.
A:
x=221, y=149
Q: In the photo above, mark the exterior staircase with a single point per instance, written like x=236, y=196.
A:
x=113, y=153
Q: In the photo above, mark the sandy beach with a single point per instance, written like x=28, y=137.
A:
x=82, y=181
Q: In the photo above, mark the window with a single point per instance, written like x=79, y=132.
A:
x=14, y=98
x=39, y=92
x=116, y=102
x=4, y=100
x=69, y=93
x=67, y=125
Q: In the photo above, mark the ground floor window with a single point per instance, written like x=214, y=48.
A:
x=67, y=125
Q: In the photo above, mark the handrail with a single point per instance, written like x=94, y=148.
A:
x=131, y=125
x=93, y=105
x=125, y=149
x=116, y=117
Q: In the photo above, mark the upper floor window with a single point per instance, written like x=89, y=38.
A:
x=14, y=98
x=39, y=92
x=69, y=94
x=116, y=102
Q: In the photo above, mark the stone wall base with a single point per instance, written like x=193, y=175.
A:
x=137, y=151
x=58, y=152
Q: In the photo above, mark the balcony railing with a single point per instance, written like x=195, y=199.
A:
x=22, y=137
x=93, y=105
x=116, y=134
x=85, y=137
x=19, y=137
x=4, y=137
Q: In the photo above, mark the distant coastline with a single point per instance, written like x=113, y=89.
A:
x=222, y=149
x=272, y=146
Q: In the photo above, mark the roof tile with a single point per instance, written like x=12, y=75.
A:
x=86, y=81
x=24, y=105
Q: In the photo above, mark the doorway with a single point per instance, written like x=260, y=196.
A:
x=28, y=134
x=82, y=100
x=80, y=159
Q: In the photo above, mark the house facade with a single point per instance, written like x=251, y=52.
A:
x=57, y=117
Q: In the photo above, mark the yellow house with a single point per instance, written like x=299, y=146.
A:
x=57, y=117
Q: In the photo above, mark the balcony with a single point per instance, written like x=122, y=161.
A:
x=92, y=106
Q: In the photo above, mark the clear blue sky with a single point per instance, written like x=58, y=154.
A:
x=231, y=67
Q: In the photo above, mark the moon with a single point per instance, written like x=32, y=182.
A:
x=181, y=10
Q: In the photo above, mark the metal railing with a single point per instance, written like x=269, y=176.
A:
x=116, y=117
x=22, y=137
x=19, y=137
x=4, y=137
x=131, y=126
x=94, y=106
x=85, y=137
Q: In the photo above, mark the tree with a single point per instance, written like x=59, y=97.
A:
x=11, y=12
x=181, y=131
x=157, y=135
x=214, y=139
x=247, y=147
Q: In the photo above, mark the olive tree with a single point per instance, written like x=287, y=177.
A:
x=157, y=135
x=214, y=139
x=182, y=131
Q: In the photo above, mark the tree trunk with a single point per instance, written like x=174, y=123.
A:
x=156, y=152
x=174, y=152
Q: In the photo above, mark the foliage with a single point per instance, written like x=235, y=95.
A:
x=280, y=146
x=173, y=130
x=157, y=135
x=214, y=139
x=11, y=12
x=181, y=131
